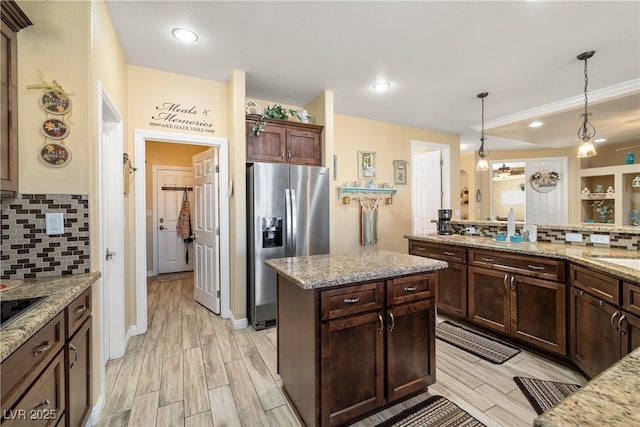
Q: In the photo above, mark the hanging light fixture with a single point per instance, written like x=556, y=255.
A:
x=483, y=152
x=587, y=131
x=504, y=171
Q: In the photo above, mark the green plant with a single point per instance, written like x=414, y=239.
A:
x=277, y=112
x=126, y=161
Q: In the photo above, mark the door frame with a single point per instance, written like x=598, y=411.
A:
x=445, y=178
x=141, y=136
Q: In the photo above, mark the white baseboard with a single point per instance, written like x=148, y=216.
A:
x=239, y=323
x=151, y=273
x=94, y=417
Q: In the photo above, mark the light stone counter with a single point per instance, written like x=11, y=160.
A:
x=59, y=291
x=588, y=256
x=321, y=271
x=610, y=399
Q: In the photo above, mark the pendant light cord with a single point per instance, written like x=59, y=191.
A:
x=583, y=131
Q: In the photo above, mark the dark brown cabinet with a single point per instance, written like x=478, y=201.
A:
x=511, y=294
x=285, y=142
x=13, y=20
x=375, y=344
x=451, y=293
x=602, y=332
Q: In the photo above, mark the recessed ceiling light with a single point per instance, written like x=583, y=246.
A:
x=599, y=140
x=381, y=86
x=184, y=35
x=535, y=124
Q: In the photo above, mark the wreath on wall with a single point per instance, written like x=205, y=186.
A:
x=544, y=181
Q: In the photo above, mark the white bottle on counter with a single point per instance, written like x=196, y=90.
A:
x=511, y=223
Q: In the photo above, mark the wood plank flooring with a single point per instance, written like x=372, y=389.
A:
x=192, y=369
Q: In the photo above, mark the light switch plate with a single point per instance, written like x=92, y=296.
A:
x=573, y=237
x=54, y=223
x=600, y=238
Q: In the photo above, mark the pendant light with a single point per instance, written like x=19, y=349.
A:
x=483, y=152
x=587, y=131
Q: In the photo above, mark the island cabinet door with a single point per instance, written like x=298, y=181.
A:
x=451, y=294
x=410, y=348
x=538, y=313
x=352, y=367
x=630, y=331
x=489, y=303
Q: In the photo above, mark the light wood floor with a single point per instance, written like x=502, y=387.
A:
x=192, y=369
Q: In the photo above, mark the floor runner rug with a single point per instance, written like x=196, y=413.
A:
x=481, y=345
x=169, y=277
x=542, y=394
x=436, y=411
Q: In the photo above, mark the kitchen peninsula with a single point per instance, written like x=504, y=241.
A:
x=356, y=331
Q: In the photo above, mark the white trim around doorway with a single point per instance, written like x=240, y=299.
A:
x=140, y=138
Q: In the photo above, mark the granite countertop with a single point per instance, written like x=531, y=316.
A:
x=588, y=256
x=59, y=292
x=321, y=271
x=610, y=399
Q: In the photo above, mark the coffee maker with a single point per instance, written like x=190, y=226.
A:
x=444, y=221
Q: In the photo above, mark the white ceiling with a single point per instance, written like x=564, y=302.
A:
x=437, y=56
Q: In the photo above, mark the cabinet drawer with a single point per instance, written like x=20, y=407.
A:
x=351, y=300
x=542, y=268
x=441, y=252
x=631, y=297
x=43, y=403
x=22, y=366
x=411, y=288
x=600, y=285
x=77, y=312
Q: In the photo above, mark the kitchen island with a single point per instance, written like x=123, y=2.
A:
x=356, y=332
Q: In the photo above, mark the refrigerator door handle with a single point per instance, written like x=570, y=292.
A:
x=294, y=223
x=288, y=224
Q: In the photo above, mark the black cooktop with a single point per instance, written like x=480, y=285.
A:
x=12, y=308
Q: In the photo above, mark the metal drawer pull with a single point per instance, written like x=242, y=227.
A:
x=351, y=300
x=624, y=331
x=513, y=287
x=381, y=324
x=410, y=289
x=44, y=404
x=504, y=280
x=37, y=352
x=613, y=316
x=450, y=253
x=75, y=358
x=421, y=248
x=535, y=267
x=488, y=259
x=392, y=321
x=81, y=309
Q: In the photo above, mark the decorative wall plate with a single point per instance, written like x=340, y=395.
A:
x=54, y=128
x=55, y=102
x=54, y=154
x=252, y=108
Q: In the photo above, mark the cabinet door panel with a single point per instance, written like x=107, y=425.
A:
x=269, y=146
x=630, y=330
x=410, y=348
x=78, y=386
x=304, y=147
x=451, y=294
x=489, y=298
x=538, y=313
x=595, y=343
x=352, y=367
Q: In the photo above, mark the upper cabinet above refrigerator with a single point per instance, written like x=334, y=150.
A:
x=282, y=141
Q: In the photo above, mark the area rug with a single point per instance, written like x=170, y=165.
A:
x=542, y=394
x=436, y=411
x=481, y=345
x=169, y=277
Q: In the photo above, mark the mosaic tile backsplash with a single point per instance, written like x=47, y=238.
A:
x=27, y=251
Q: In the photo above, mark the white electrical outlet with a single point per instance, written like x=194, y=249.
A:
x=470, y=230
x=600, y=238
x=573, y=237
x=54, y=223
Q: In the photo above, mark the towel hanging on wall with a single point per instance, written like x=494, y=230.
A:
x=183, y=227
x=368, y=221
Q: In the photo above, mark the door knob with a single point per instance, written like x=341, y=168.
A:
x=161, y=227
x=109, y=254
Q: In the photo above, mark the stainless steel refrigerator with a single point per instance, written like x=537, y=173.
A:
x=287, y=215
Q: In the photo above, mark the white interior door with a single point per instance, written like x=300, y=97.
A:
x=206, y=281
x=172, y=249
x=549, y=207
x=427, y=191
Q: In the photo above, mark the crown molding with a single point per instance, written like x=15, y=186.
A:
x=595, y=96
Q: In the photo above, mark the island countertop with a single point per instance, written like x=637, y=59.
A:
x=321, y=271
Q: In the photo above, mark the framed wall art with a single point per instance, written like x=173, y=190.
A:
x=400, y=172
x=366, y=165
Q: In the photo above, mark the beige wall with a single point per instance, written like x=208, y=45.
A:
x=503, y=210
x=390, y=142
